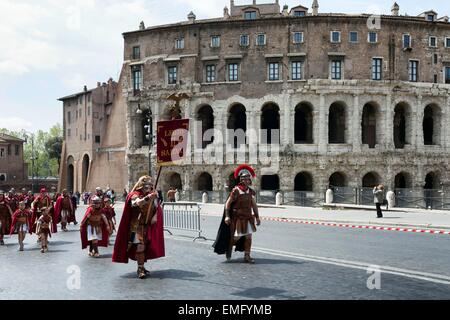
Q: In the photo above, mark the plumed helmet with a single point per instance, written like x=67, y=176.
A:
x=43, y=190
x=244, y=171
x=145, y=181
x=96, y=200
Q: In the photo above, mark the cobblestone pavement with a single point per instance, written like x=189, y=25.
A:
x=292, y=263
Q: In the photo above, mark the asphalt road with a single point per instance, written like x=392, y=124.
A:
x=292, y=262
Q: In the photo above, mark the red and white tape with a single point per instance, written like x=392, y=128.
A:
x=342, y=225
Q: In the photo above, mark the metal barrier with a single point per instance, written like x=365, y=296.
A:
x=182, y=216
x=266, y=197
x=303, y=198
x=345, y=195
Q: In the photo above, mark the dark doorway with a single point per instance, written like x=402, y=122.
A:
x=428, y=126
x=401, y=181
x=338, y=180
x=303, y=182
x=371, y=180
x=70, y=178
x=336, y=124
x=205, y=182
x=369, y=125
x=237, y=120
x=270, y=183
x=400, y=126
x=85, y=172
x=303, y=124
x=206, y=116
x=270, y=120
x=175, y=181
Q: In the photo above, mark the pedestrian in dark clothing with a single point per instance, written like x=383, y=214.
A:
x=378, y=198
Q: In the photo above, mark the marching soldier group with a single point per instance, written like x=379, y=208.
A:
x=140, y=236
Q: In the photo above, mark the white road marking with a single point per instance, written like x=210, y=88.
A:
x=425, y=276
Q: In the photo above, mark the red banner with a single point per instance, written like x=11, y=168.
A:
x=172, y=141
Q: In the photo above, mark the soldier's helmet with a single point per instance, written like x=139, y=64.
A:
x=244, y=171
x=144, y=182
x=96, y=200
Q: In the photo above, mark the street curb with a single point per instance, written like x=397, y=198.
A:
x=359, y=226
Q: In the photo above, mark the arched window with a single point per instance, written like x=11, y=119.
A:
x=205, y=182
x=303, y=182
x=270, y=183
x=371, y=180
x=270, y=123
x=85, y=172
x=206, y=115
x=432, y=125
x=304, y=123
x=237, y=121
x=338, y=179
x=337, y=123
x=402, y=126
x=369, y=125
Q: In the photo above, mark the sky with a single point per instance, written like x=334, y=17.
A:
x=52, y=48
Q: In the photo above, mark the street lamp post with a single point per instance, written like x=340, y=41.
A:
x=33, y=158
x=149, y=136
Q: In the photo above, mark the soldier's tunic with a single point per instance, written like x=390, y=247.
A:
x=21, y=221
x=242, y=219
x=5, y=218
x=44, y=225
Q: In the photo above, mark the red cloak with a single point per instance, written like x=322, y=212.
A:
x=84, y=236
x=58, y=209
x=52, y=213
x=14, y=221
x=155, y=236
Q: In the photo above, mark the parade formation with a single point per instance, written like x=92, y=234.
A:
x=140, y=235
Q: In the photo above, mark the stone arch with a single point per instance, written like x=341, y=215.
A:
x=237, y=121
x=402, y=125
x=370, y=124
x=205, y=182
x=432, y=119
x=303, y=182
x=85, y=171
x=270, y=121
x=337, y=123
x=432, y=181
x=371, y=179
x=403, y=181
x=304, y=123
x=270, y=182
x=70, y=174
x=338, y=179
x=205, y=114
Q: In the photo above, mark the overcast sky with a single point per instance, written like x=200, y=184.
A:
x=52, y=48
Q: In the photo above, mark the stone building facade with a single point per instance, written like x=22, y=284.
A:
x=94, y=147
x=13, y=169
x=358, y=100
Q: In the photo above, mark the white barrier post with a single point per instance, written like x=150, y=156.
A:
x=205, y=198
x=279, y=199
x=329, y=197
x=390, y=196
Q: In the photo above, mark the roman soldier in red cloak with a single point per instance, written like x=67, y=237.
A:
x=21, y=223
x=64, y=211
x=41, y=203
x=141, y=231
x=45, y=228
x=110, y=214
x=29, y=199
x=94, y=228
x=5, y=217
x=240, y=214
x=13, y=200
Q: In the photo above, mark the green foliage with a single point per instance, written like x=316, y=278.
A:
x=47, y=150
